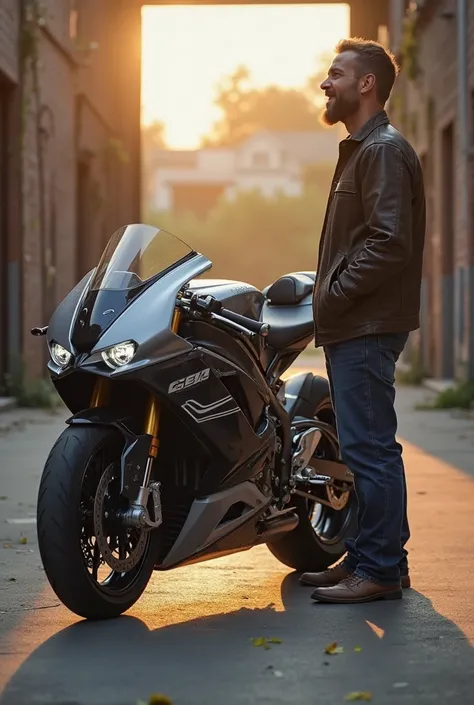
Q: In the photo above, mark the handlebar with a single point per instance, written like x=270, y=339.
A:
x=255, y=326
x=209, y=307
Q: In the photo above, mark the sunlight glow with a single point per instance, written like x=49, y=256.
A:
x=188, y=49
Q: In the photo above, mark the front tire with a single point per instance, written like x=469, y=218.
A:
x=318, y=540
x=85, y=461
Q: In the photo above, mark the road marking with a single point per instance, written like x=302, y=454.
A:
x=26, y=520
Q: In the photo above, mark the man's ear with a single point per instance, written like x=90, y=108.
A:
x=367, y=83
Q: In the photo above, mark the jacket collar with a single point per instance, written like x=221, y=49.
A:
x=380, y=118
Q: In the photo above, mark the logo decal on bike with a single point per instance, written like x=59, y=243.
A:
x=207, y=412
x=189, y=381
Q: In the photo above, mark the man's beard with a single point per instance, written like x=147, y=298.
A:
x=341, y=108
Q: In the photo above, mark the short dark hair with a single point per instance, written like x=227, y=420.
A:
x=373, y=58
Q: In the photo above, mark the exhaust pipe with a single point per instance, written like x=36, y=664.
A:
x=277, y=525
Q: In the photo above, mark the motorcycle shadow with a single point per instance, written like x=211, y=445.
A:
x=393, y=649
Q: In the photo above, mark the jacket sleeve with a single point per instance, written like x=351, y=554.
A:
x=386, y=193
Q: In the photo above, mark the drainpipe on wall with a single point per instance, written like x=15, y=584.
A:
x=464, y=155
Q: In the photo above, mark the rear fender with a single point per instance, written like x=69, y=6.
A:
x=303, y=394
x=135, y=452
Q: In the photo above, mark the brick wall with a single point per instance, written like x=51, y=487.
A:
x=423, y=110
x=9, y=184
x=82, y=113
x=9, y=32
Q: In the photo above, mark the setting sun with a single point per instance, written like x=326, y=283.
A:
x=188, y=49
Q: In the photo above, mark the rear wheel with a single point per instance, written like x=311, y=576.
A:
x=97, y=567
x=318, y=540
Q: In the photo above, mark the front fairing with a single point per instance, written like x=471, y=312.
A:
x=147, y=320
x=93, y=319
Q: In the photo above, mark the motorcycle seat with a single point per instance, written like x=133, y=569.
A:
x=290, y=289
x=288, y=309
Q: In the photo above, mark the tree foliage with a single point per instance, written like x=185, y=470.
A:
x=246, y=109
x=252, y=238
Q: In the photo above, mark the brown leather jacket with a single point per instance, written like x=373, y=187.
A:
x=371, y=248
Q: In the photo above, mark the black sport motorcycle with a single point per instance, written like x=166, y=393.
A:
x=184, y=443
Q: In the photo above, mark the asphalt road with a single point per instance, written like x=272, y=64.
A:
x=190, y=635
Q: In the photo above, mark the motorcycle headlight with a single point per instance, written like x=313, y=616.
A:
x=119, y=355
x=60, y=355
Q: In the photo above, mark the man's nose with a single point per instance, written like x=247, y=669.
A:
x=325, y=84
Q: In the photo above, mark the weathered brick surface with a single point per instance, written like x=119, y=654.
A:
x=87, y=111
x=422, y=109
x=9, y=33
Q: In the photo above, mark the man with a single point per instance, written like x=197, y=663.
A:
x=366, y=300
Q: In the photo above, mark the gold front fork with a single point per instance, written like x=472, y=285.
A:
x=152, y=416
x=152, y=426
x=100, y=395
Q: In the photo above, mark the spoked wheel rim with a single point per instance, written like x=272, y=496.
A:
x=329, y=524
x=112, y=554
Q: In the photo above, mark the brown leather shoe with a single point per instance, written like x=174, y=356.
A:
x=334, y=575
x=354, y=589
x=405, y=581
x=326, y=578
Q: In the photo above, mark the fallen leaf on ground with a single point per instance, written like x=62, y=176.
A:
x=159, y=699
x=23, y=540
x=333, y=649
x=264, y=642
x=7, y=545
x=359, y=695
x=377, y=630
x=358, y=649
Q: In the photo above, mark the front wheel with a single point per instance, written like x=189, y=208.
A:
x=318, y=540
x=97, y=567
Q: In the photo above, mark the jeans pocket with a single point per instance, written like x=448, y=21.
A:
x=391, y=346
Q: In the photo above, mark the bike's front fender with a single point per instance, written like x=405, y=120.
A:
x=135, y=452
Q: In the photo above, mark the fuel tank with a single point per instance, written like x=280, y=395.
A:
x=237, y=296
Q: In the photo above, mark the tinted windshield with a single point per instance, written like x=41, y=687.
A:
x=136, y=253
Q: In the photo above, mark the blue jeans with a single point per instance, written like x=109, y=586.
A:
x=361, y=375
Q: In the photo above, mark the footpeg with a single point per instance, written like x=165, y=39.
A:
x=320, y=469
x=306, y=444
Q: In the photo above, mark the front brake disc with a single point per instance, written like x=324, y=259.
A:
x=131, y=542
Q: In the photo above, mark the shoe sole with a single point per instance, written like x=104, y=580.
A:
x=392, y=595
x=405, y=582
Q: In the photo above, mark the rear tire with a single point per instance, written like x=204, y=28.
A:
x=64, y=526
x=310, y=547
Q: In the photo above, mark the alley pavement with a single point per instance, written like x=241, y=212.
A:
x=189, y=637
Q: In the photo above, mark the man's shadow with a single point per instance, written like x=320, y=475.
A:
x=402, y=651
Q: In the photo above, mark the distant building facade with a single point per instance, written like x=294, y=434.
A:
x=268, y=162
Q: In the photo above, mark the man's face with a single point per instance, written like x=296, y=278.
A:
x=342, y=88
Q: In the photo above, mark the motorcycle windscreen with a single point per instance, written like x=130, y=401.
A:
x=135, y=256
